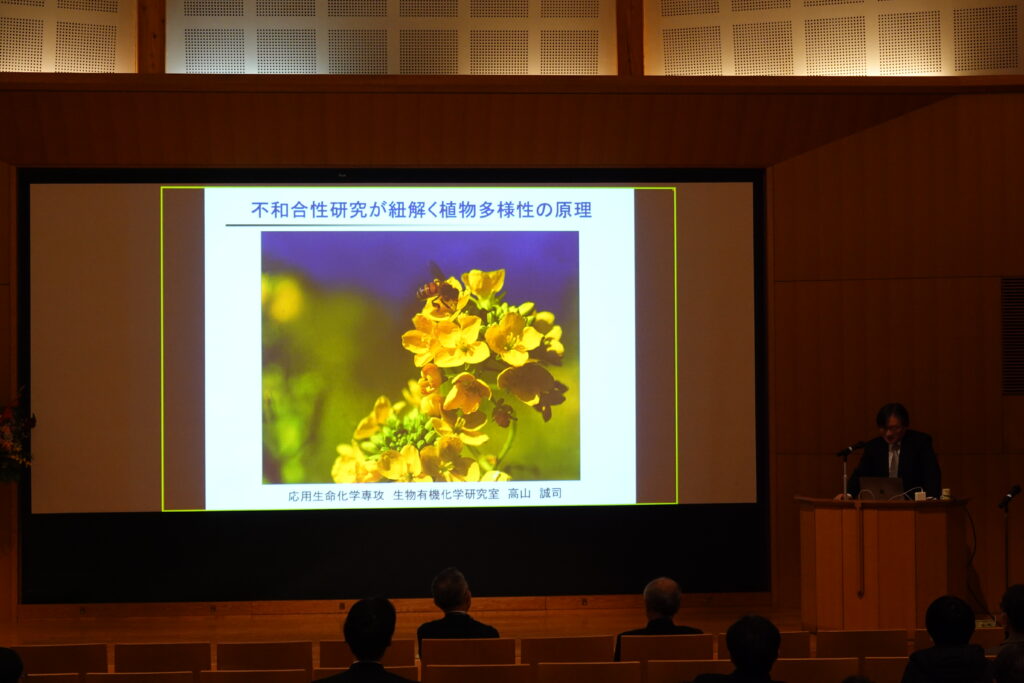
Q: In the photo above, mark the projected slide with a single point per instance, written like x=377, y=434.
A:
x=419, y=347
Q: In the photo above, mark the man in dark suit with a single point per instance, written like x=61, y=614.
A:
x=899, y=452
x=753, y=643
x=368, y=630
x=452, y=596
x=661, y=601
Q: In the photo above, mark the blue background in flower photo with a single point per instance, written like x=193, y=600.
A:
x=335, y=306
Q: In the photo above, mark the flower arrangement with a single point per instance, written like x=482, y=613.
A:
x=479, y=358
x=15, y=426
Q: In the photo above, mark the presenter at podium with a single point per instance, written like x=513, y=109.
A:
x=899, y=452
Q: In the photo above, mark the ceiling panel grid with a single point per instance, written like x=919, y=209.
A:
x=70, y=36
x=833, y=37
x=446, y=37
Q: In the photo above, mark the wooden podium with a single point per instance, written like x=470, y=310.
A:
x=878, y=564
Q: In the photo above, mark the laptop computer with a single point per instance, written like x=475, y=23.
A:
x=881, y=488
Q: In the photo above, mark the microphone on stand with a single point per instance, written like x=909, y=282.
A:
x=1010, y=495
x=854, y=447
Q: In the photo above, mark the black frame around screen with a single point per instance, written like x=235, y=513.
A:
x=299, y=555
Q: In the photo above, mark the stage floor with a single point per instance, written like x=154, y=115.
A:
x=321, y=620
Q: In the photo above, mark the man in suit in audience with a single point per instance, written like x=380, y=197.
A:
x=368, y=630
x=11, y=668
x=753, y=643
x=901, y=452
x=1012, y=617
x=1009, y=664
x=452, y=596
x=661, y=601
x=950, y=623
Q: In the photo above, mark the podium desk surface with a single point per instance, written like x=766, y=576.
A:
x=881, y=504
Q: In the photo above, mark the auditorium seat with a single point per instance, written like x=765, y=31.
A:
x=867, y=643
x=334, y=654
x=884, y=669
x=278, y=676
x=815, y=670
x=642, y=648
x=142, y=677
x=63, y=659
x=469, y=651
x=410, y=672
x=795, y=645
x=53, y=678
x=478, y=673
x=162, y=657
x=576, y=649
x=591, y=672
x=660, y=671
x=988, y=638
x=263, y=656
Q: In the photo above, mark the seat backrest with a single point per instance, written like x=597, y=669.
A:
x=815, y=670
x=870, y=643
x=276, y=676
x=142, y=677
x=579, y=649
x=334, y=654
x=265, y=656
x=61, y=659
x=643, y=648
x=411, y=673
x=659, y=671
x=53, y=678
x=468, y=651
x=794, y=645
x=884, y=669
x=478, y=673
x=592, y=672
x=162, y=657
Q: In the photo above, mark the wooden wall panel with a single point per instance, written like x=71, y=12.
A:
x=888, y=248
x=926, y=195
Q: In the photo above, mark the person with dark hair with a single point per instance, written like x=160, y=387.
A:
x=1012, y=617
x=753, y=643
x=1009, y=664
x=452, y=596
x=11, y=668
x=901, y=452
x=368, y=628
x=661, y=602
x=950, y=623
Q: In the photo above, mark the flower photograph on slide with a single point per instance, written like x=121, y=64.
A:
x=420, y=356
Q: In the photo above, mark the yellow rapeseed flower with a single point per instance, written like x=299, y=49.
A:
x=406, y=465
x=484, y=283
x=551, y=349
x=445, y=462
x=372, y=423
x=285, y=300
x=352, y=467
x=466, y=427
x=512, y=339
x=466, y=393
x=459, y=343
x=422, y=341
x=527, y=382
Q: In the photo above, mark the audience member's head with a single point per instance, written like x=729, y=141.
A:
x=369, y=627
x=451, y=591
x=10, y=666
x=1009, y=664
x=950, y=621
x=661, y=598
x=753, y=643
x=1012, y=606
